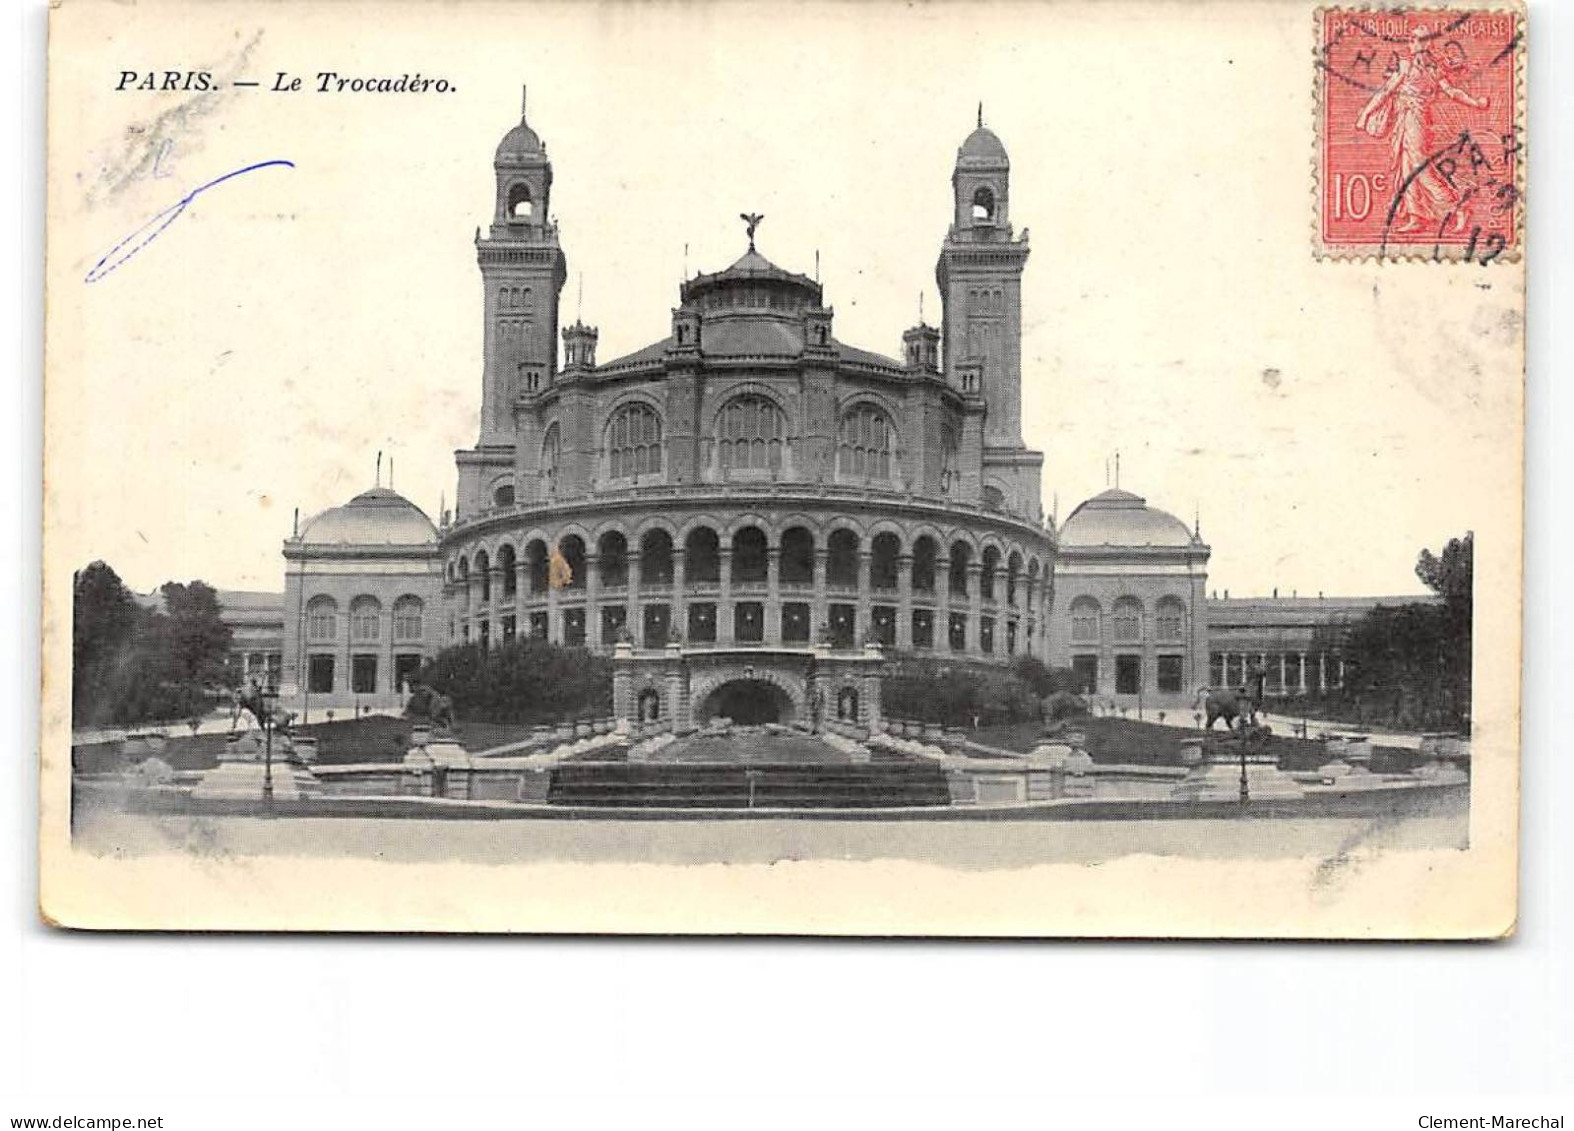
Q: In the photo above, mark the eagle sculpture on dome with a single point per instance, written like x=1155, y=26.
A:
x=751, y=220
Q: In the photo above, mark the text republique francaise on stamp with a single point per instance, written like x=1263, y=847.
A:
x=1420, y=137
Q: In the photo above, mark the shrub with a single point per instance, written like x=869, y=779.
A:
x=523, y=681
x=958, y=695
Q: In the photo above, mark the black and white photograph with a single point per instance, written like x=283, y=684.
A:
x=541, y=459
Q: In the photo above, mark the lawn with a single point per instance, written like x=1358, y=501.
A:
x=1129, y=742
x=374, y=738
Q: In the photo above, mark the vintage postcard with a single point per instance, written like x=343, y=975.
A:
x=813, y=469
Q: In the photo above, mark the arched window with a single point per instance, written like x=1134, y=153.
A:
x=1170, y=619
x=322, y=618
x=994, y=499
x=366, y=616
x=702, y=556
x=924, y=551
x=520, y=206
x=1085, y=620
x=751, y=434
x=551, y=455
x=867, y=444
x=885, y=549
x=841, y=563
x=503, y=495
x=986, y=577
x=984, y=203
x=634, y=442
x=483, y=570
x=948, y=447
x=1127, y=615
x=508, y=571
x=407, y=616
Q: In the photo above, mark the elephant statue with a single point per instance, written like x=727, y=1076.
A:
x=1238, y=707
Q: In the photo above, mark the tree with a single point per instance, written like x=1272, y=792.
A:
x=198, y=639
x=135, y=664
x=104, y=617
x=1409, y=665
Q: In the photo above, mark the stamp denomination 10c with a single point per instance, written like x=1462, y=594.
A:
x=1419, y=146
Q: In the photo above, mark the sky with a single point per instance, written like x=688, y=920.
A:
x=1326, y=420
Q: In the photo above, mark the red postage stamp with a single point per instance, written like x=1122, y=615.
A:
x=1420, y=141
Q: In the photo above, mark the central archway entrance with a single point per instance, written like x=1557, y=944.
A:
x=748, y=702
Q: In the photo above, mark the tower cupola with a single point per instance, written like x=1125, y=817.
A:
x=524, y=182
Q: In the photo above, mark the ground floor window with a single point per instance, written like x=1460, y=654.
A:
x=613, y=619
x=1086, y=669
x=509, y=629
x=957, y=634
x=319, y=675
x=538, y=626
x=795, y=622
x=1011, y=638
x=702, y=623
x=574, y=628
x=407, y=665
x=923, y=628
x=986, y=634
x=844, y=625
x=363, y=674
x=658, y=624
x=1216, y=669
x=1128, y=675
x=1170, y=669
x=485, y=630
x=748, y=622
x=882, y=619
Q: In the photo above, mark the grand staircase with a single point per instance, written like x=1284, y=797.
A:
x=796, y=785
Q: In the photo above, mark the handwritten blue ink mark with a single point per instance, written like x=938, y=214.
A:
x=154, y=228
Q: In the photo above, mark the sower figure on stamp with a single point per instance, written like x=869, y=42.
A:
x=1406, y=108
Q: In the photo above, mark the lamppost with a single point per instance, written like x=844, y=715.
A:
x=268, y=695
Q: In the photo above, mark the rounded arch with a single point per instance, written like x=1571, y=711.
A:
x=702, y=554
x=926, y=557
x=551, y=456
x=750, y=552
x=1087, y=619
x=501, y=490
x=483, y=570
x=884, y=550
x=843, y=546
x=1169, y=618
x=612, y=553
x=409, y=616
x=844, y=522
x=889, y=526
x=507, y=569
x=322, y=618
x=792, y=519
x=797, y=542
x=739, y=522
x=520, y=204
x=537, y=557
x=631, y=438
x=867, y=441
x=655, y=545
x=650, y=522
x=705, y=521
x=366, y=618
x=1125, y=616
x=708, y=683
x=607, y=526
x=983, y=203
x=574, y=530
x=724, y=396
x=751, y=431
